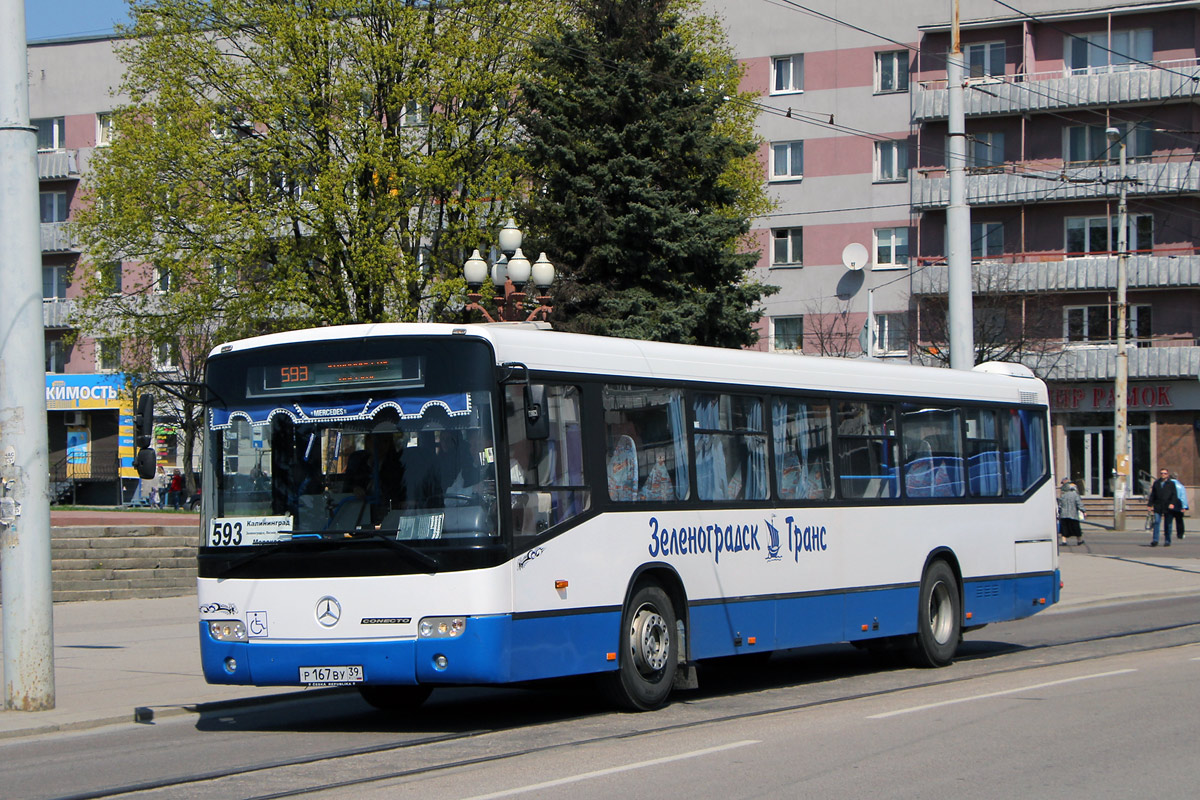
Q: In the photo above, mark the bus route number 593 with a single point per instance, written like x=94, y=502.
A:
x=226, y=534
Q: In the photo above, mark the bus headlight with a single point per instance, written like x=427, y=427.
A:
x=442, y=627
x=233, y=630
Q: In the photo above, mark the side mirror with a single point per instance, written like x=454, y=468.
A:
x=537, y=421
x=143, y=436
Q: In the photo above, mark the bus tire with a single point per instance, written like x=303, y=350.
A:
x=939, y=617
x=394, y=698
x=649, y=652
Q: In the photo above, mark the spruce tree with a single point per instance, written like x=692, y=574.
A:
x=640, y=194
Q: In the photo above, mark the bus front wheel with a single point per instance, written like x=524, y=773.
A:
x=939, y=617
x=649, y=651
x=394, y=698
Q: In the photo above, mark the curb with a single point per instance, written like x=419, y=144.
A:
x=147, y=715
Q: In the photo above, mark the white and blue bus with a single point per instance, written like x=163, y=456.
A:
x=401, y=507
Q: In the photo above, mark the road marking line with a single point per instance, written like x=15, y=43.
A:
x=1000, y=694
x=612, y=771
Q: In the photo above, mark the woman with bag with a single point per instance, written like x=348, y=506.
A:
x=1070, y=511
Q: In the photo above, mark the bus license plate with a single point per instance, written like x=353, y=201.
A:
x=315, y=676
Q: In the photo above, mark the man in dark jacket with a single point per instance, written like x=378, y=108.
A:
x=1162, y=502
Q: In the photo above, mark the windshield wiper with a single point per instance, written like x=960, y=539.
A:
x=424, y=559
x=413, y=554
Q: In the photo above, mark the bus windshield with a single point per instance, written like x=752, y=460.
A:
x=395, y=442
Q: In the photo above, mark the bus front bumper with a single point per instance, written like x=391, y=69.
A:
x=472, y=658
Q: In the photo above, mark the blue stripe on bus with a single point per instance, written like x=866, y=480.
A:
x=504, y=649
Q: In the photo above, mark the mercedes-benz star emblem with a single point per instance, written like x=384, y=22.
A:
x=329, y=611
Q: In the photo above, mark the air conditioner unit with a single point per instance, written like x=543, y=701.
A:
x=75, y=419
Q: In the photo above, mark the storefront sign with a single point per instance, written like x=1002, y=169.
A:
x=70, y=392
x=1101, y=398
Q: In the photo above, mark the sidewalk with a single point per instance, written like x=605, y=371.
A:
x=115, y=659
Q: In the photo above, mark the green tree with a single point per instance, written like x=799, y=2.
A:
x=283, y=163
x=644, y=157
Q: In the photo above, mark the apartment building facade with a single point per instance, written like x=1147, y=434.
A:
x=854, y=105
x=89, y=411
x=852, y=110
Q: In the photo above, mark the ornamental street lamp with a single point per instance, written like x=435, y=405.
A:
x=510, y=274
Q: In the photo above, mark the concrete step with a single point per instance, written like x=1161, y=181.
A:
x=80, y=595
x=180, y=581
x=143, y=577
x=122, y=563
x=112, y=553
x=96, y=531
x=123, y=544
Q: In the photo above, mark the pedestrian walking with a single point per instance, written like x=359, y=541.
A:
x=158, y=488
x=1181, y=506
x=1070, y=512
x=175, y=489
x=1162, y=502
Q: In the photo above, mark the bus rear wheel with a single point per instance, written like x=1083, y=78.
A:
x=939, y=617
x=394, y=698
x=649, y=652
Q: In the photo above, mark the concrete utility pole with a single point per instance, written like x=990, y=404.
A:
x=24, y=461
x=958, y=213
x=1121, y=391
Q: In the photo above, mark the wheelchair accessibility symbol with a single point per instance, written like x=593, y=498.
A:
x=256, y=624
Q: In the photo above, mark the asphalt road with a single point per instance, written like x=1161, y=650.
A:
x=1096, y=702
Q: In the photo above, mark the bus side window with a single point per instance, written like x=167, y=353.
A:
x=645, y=455
x=546, y=474
x=867, y=451
x=983, y=452
x=803, y=448
x=933, y=462
x=731, y=447
x=1024, y=450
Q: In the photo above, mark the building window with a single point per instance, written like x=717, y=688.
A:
x=50, y=133
x=788, y=247
x=891, y=71
x=891, y=333
x=788, y=74
x=891, y=161
x=163, y=280
x=166, y=355
x=104, y=129
x=1086, y=143
x=787, y=333
x=56, y=356
x=987, y=239
x=108, y=275
x=53, y=206
x=984, y=59
x=54, y=283
x=787, y=161
x=108, y=355
x=1092, y=235
x=985, y=150
x=1095, y=52
x=1098, y=324
x=414, y=114
x=891, y=247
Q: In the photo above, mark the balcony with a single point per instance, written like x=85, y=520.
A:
x=1050, y=273
x=1053, y=91
x=1008, y=186
x=1099, y=363
x=56, y=238
x=56, y=312
x=56, y=165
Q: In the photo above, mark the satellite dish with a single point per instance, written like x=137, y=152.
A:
x=854, y=256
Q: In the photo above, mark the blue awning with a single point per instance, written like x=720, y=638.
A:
x=409, y=407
